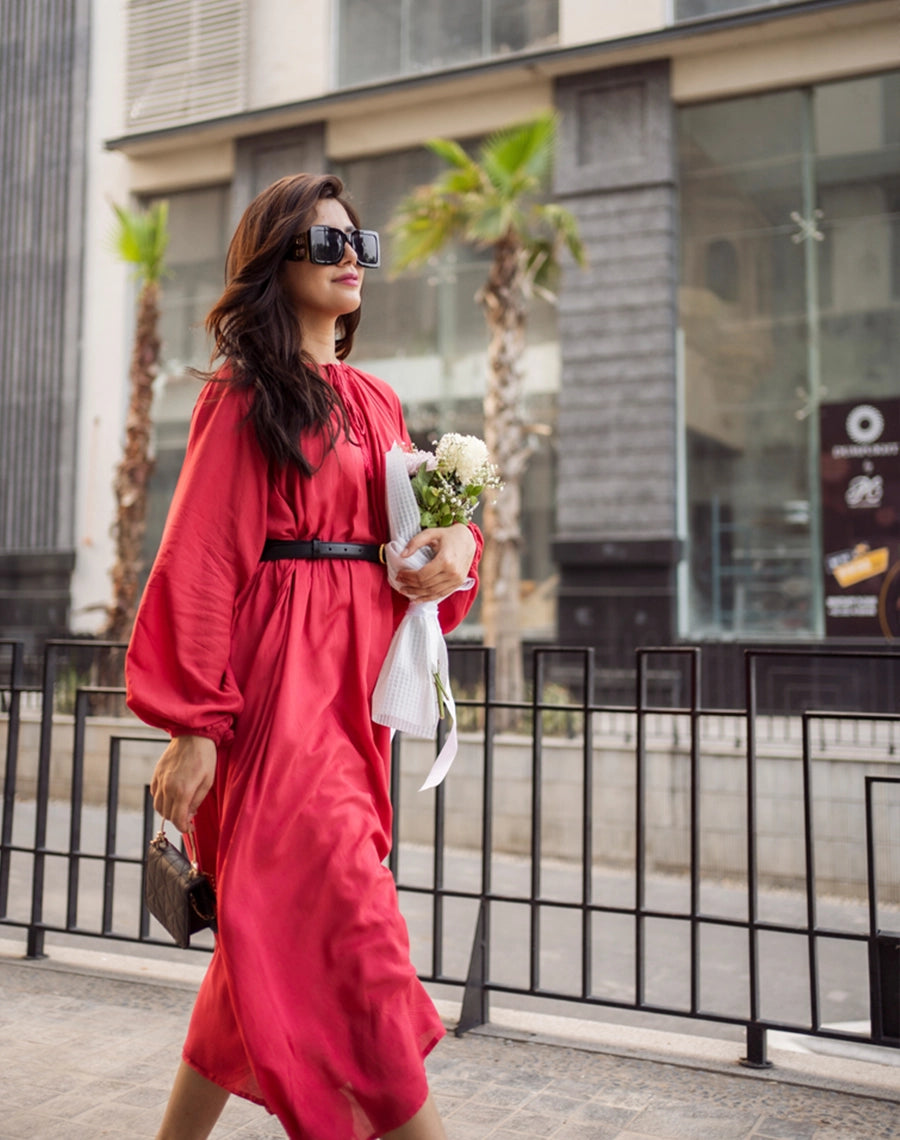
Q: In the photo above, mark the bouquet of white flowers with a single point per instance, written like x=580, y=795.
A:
x=449, y=483
x=426, y=490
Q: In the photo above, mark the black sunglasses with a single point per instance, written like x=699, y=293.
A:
x=324, y=245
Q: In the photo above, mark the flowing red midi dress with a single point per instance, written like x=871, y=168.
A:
x=310, y=1005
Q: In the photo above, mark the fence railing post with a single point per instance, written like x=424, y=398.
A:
x=35, y=941
x=884, y=945
x=13, y=720
x=475, y=1009
x=750, y=683
x=756, y=1048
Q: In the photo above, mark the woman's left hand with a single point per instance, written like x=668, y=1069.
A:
x=454, y=549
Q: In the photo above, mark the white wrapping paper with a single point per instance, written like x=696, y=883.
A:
x=406, y=696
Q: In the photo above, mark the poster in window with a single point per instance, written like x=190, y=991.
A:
x=860, y=474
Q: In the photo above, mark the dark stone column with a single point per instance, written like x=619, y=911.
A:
x=616, y=542
x=34, y=596
x=43, y=111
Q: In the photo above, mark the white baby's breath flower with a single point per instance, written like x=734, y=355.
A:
x=466, y=456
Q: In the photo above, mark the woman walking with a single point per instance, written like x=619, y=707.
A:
x=260, y=636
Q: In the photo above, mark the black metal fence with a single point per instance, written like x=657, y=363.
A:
x=44, y=814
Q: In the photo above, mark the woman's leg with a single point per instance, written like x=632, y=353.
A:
x=425, y=1125
x=195, y=1104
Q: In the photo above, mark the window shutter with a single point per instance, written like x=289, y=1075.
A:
x=186, y=61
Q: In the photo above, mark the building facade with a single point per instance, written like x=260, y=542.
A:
x=735, y=171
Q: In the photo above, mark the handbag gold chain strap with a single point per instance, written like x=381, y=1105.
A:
x=162, y=840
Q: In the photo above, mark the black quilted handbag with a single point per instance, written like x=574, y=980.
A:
x=176, y=891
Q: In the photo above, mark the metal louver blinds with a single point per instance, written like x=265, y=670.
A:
x=186, y=61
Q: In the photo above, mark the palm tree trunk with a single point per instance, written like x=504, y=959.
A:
x=134, y=469
x=504, y=302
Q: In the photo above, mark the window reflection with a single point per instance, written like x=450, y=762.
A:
x=787, y=299
x=696, y=9
x=382, y=38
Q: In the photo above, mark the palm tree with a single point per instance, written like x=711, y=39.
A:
x=497, y=202
x=141, y=239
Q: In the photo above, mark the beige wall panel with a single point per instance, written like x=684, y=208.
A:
x=786, y=62
x=417, y=120
x=593, y=21
x=290, y=51
x=178, y=170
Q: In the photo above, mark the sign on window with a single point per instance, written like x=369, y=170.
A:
x=860, y=473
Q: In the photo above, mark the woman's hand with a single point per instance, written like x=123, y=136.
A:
x=182, y=777
x=454, y=549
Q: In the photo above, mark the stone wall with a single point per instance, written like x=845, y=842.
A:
x=616, y=542
x=42, y=186
x=140, y=750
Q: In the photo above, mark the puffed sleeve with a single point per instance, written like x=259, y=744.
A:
x=177, y=666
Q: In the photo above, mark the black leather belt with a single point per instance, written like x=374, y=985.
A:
x=316, y=548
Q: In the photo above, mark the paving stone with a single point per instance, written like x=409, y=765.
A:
x=570, y=1131
x=694, y=1123
x=480, y=1115
x=551, y=1104
x=596, y=1112
x=532, y=1124
x=36, y=1126
x=772, y=1128
x=503, y=1096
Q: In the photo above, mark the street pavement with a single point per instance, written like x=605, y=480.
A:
x=90, y=1035
x=89, y=1040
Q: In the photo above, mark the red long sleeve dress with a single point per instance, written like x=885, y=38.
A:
x=310, y=1005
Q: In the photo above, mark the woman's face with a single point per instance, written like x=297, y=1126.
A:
x=325, y=291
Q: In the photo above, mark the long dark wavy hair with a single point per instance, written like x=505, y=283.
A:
x=255, y=328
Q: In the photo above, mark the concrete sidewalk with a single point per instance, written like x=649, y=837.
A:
x=89, y=1042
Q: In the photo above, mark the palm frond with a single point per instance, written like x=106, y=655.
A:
x=466, y=181
x=563, y=225
x=543, y=267
x=488, y=224
x=423, y=224
x=141, y=238
x=451, y=152
x=518, y=160
x=482, y=202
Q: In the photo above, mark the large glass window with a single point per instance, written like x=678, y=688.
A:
x=426, y=335
x=382, y=38
x=696, y=9
x=789, y=297
x=198, y=239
